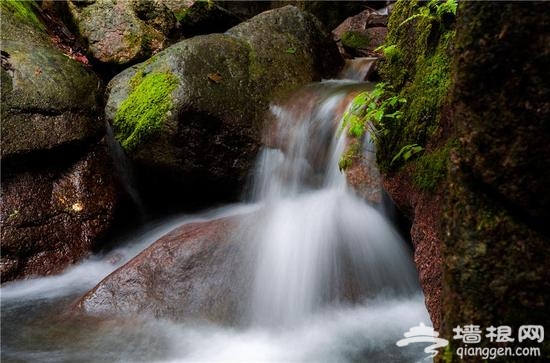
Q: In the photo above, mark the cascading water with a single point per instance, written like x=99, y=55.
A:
x=332, y=280
x=318, y=244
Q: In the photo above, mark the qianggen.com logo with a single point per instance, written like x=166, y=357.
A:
x=472, y=334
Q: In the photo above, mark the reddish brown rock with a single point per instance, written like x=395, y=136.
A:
x=191, y=271
x=424, y=209
x=368, y=30
x=363, y=176
x=53, y=215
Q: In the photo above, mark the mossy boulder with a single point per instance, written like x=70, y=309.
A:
x=122, y=32
x=36, y=96
x=476, y=195
x=192, y=115
x=417, y=66
x=58, y=195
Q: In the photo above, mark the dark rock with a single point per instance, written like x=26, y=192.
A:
x=42, y=107
x=58, y=195
x=189, y=273
x=204, y=17
x=203, y=123
x=53, y=214
x=476, y=196
x=246, y=9
x=330, y=13
x=496, y=216
x=122, y=32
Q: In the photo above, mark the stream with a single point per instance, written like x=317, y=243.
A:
x=331, y=279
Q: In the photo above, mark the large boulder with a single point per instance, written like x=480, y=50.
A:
x=496, y=215
x=122, y=32
x=57, y=193
x=192, y=115
x=194, y=271
x=42, y=107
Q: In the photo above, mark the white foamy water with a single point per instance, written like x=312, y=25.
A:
x=345, y=334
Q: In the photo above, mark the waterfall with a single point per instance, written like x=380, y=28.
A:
x=318, y=244
x=124, y=171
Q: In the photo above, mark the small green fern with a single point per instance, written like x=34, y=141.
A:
x=434, y=10
x=370, y=110
x=407, y=152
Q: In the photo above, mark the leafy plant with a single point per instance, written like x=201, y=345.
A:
x=371, y=110
x=407, y=152
x=391, y=52
x=434, y=10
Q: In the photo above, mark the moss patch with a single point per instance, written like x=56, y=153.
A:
x=431, y=168
x=146, y=108
x=355, y=40
x=350, y=156
x=417, y=65
x=23, y=11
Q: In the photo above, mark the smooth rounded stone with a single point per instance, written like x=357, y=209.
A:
x=191, y=117
x=194, y=272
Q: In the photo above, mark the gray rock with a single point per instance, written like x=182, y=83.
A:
x=120, y=32
x=48, y=99
x=193, y=114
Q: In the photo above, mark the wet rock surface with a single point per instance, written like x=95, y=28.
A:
x=58, y=194
x=193, y=271
x=54, y=210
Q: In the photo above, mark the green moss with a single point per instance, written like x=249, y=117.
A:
x=145, y=109
x=417, y=65
x=350, y=156
x=23, y=11
x=431, y=168
x=355, y=40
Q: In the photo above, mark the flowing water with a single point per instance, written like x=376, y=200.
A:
x=332, y=279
